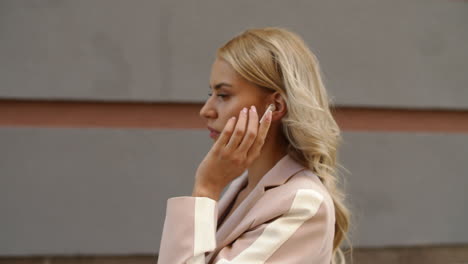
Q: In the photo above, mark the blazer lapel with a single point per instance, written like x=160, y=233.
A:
x=230, y=194
x=234, y=226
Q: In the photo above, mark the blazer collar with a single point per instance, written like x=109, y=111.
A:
x=280, y=173
x=234, y=225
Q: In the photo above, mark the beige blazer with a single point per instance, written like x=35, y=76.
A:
x=287, y=218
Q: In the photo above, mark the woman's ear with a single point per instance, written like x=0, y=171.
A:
x=280, y=106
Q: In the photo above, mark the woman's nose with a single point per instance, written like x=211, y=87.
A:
x=207, y=112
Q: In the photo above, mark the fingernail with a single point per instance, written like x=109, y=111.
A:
x=268, y=117
x=253, y=108
x=244, y=110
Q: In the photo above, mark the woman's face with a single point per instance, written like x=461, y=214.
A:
x=230, y=93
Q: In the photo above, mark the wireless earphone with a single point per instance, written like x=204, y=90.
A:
x=270, y=107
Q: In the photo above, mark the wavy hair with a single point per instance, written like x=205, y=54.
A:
x=279, y=60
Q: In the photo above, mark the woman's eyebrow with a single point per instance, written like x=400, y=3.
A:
x=219, y=85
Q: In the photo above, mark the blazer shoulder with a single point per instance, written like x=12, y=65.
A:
x=303, y=192
x=303, y=180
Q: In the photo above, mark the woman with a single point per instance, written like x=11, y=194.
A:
x=283, y=205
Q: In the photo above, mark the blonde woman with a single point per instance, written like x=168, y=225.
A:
x=282, y=204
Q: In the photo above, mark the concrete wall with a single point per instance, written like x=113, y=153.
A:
x=392, y=53
x=103, y=191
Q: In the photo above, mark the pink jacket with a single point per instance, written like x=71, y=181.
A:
x=288, y=218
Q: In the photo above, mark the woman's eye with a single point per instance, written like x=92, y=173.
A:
x=220, y=95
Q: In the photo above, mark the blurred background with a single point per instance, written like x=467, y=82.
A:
x=100, y=125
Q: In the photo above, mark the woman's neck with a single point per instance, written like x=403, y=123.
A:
x=274, y=148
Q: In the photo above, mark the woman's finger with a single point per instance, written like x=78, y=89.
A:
x=238, y=132
x=225, y=135
x=260, y=139
x=251, y=132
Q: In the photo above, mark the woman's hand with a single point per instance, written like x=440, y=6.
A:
x=233, y=152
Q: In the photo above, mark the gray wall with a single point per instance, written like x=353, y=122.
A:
x=81, y=190
x=374, y=53
x=73, y=191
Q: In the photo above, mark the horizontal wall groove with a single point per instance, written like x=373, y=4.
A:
x=160, y=115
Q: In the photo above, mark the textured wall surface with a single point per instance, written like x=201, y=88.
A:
x=407, y=189
x=104, y=191
x=99, y=50
x=91, y=190
x=391, y=53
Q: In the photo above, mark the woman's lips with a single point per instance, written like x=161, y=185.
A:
x=213, y=133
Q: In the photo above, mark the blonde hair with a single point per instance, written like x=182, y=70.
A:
x=279, y=60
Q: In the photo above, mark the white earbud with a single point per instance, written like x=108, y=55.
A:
x=270, y=107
